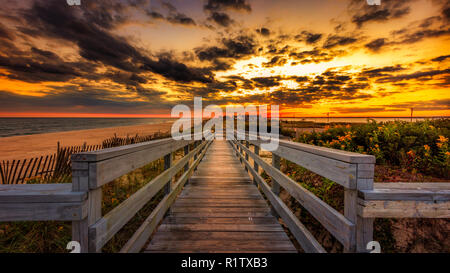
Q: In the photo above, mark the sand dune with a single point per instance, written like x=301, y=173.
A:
x=21, y=147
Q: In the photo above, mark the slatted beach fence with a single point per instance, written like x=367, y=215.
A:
x=49, y=168
x=217, y=204
x=57, y=167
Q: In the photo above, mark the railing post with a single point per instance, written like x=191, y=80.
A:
x=168, y=160
x=275, y=186
x=246, y=154
x=80, y=183
x=255, y=165
x=240, y=151
x=363, y=226
x=186, y=167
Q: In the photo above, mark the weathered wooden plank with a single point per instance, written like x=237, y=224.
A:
x=43, y=211
x=426, y=186
x=109, y=153
x=220, y=227
x=332, y=220
x=220, y=235
x=223, y=203
x=40, y=193
x=218, y=245
x=140, y=237
x=219, y=202
x=218, y=213
x=340, y=155
x=404, y=209
x=300, y=232
x=105, y=171
x=220, y=220
x=102, y=231
x=405, y=195
x=222, y=195
x=408, y=192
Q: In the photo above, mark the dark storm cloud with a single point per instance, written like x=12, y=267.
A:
x=181, y=19
x=276, y=61
x=316, y=55
x=418, y=35
x=38, y=65
x=155, y=15
x=265, y=82
x=422, y=75
x=221, y=18
x=439, y=104
x=380, y=72
x=389, y=9
x=344, y=110
x=97, y=44
x=441, y=58
x=69, y=99
x=215, y=5
x=6, y=33
x=235, y=48
x=376, y=45
x=309, y=37
x=336, y=40
x=263, y=31
x=176, y=17
x=243, y=82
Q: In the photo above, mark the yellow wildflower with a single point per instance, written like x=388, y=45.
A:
x=427, y=148
x=447, y=153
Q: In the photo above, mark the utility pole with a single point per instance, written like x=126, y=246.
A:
x=412, y=110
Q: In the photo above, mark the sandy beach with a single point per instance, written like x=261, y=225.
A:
x=28, y=146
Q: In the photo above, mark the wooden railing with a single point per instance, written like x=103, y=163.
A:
x=81, y=201
x=362, y=202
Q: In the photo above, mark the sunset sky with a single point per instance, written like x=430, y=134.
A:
x=142, y=57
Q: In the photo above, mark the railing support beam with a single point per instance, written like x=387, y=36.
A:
x=363, y=226
x=255, y=165
x=276, y=163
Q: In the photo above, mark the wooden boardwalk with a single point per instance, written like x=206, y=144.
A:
x=220, y=210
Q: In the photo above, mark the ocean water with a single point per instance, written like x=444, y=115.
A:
x=30, y=126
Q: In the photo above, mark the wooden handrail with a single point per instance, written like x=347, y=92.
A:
x=80, y=201
x=331, y=219
x=106, y=227
x=92, y=170
x=351, y=170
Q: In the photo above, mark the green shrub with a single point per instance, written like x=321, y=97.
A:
x=421, y=146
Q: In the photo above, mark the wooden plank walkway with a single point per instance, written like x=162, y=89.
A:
x=220, y=210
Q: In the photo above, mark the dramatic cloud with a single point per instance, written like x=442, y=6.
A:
x=214, y=5
x=139, y=54
x=389, y=9
x=221, y=18
x=376, y=44
x=335, y=40
x=415, y=76
x=52, y=19
x=263, y=31
x=441, y=58
x=309, y=37
x=235, y=48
